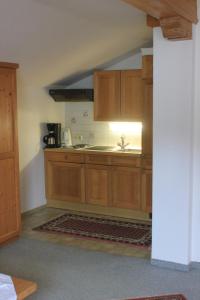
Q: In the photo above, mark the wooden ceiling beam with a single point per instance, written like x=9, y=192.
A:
x=176, y=28
x=167, y=8
x=174, y=16
x=154, y=8
x=152, y=22
x=184, y=8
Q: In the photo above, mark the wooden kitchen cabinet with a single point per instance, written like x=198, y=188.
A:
x=9, y=169
x=107, y=95
x=98, y=184
x=147, y=190
x=65, y=181
x=105, y=183
x=147, y=128
x=147, y=133
x=147, y=67
x=132, y=95
x=126, y=187
x=119, y=95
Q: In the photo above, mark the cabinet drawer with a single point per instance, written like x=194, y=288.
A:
x=98, y=159
x=129, y=161
x=65, y=156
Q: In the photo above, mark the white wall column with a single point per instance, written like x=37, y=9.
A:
x=196, y=150
x=172, y=150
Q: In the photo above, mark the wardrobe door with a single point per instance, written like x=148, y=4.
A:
x=9, y=170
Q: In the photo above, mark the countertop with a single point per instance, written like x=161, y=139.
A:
x=102, y=152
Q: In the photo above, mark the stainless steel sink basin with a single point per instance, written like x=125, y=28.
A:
x=100, y=148
x=109, y=148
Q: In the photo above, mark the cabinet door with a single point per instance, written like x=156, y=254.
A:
x=65, y=181
x=9, y=210
x=147, y=191
x=126, y=187
x=147, y=129
x=9, y=172
x=97, y=185
x=132, y=95
x=107, y=95
x=147, y=67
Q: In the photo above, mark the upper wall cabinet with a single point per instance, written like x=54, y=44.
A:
x=107, y=95
x=147, y=70
x=119, y=95
x=132, y=95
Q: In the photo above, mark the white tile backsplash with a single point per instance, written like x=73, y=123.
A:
x=79, y=117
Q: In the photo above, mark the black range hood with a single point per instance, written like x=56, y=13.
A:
x=72, y=95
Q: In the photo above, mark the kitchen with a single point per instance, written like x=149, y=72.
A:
x=111, y=156
x=86, y=34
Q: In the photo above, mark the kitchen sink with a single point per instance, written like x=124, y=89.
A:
x=100, y=148
x=108, y=148
x=136, y=151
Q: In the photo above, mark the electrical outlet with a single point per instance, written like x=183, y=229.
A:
x=73, y=120
x=85, y=114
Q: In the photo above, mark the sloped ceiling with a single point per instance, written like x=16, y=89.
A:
x=54, y=39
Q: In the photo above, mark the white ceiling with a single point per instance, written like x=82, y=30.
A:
x=54, y=39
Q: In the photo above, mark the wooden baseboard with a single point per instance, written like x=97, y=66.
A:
x=107, y=211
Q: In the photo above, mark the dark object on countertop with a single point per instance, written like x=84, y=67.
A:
x=72, y=95
x=53, y=138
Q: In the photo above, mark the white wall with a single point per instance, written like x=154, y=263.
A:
x=131, y=62
x=172, y=149
x=35, y=108
x=79, y=116
x=196, y=149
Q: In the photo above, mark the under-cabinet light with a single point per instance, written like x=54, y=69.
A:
x=126, y=128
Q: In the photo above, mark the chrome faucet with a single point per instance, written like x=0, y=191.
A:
x=122, y=145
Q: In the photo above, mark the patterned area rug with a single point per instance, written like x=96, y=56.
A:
x=100, y=228
x=169, y=297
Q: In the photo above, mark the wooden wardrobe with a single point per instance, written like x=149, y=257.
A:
x=9, y=162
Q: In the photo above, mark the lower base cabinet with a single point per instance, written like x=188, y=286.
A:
x=126, y=187
x=97, y=185
x=147, y=191
x=65, y=181
x=94, y=183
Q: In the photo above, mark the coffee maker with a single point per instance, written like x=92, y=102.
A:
x=53, y=138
